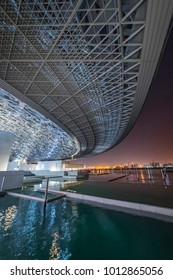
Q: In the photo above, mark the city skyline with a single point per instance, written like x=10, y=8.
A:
x=151, y=137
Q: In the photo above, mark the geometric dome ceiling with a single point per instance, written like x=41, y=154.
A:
x=86, y=66
x=35, y=137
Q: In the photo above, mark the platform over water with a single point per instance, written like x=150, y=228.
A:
x=106, y=177
x=137, y=191
x=129, y=188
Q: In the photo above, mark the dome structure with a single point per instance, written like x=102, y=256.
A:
x=77, y=72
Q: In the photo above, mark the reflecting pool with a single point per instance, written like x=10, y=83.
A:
x=70, y=230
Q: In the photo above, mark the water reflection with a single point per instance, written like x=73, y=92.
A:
x=59, y=184
x=78, y=231
x=142, y=176
x=168, y=180
x=32, y=234
x=7, y=218
x=62, y=220
x=148, y=176
x=54, y=250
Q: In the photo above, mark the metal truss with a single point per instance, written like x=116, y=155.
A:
x=79, y=60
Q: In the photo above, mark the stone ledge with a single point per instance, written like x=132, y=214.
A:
x=145, y=210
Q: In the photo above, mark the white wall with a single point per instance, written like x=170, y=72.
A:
x=21, y=166
x=6, y=141
x=49, y=165
x=42, y=165
x=11, y=180
x=57, y=165
x=17, y=166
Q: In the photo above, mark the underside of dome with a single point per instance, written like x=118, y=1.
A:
x=81, y=68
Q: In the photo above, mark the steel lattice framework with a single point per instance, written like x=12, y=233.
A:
x=86, y=65
x=35, y=137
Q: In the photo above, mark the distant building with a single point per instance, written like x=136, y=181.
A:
x=67, y=165
x=168, y=165
x=146, y=165
x=134, y=165
x=154, y=164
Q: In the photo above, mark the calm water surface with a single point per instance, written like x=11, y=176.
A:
x=147, y=176
x=70, y=230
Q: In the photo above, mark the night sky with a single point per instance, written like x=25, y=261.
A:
x=151, y=139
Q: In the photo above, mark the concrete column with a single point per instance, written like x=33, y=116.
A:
x=6, y=141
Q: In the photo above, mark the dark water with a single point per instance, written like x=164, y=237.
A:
x=78, y=231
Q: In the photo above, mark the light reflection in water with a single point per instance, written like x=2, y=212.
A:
x=168, y=181
x=66, y=217
x=142, y=176
x=48, y=236
x=8, y=217
x=149, y=176
x=78, y=231
x=54, y=250
x=58, y=185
